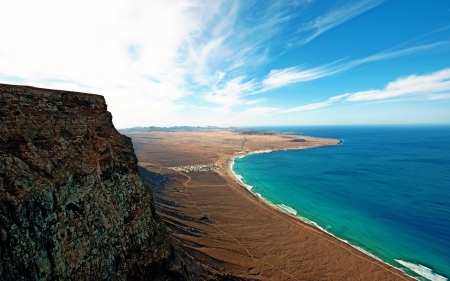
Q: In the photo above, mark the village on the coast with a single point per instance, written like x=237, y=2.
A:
x=197, y=168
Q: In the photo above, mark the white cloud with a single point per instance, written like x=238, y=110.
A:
x=307, y=107
x=336, y=17
x=439, y=96
x=116, y=49
x=434, y=85
x=395, y=53
x=231, y=94
x=252, y=114
x=89, y=41
x=278, y=78
x=282, y=77
x=339, y=97
x=317, y=105
x=257, y=112
x=230, y=49
x=231, y=38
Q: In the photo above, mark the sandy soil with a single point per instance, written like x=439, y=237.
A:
x=229, y=231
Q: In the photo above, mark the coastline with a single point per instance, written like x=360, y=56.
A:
x=421, y=270
x=203, y=209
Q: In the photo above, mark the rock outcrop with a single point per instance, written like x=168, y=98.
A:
x=72, y=203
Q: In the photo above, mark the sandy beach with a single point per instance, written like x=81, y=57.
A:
x=225, y=230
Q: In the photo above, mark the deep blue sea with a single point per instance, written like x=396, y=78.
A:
x=385, y=189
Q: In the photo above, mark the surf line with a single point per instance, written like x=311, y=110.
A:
x=270, y=207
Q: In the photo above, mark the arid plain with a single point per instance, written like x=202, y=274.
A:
x=224, y=229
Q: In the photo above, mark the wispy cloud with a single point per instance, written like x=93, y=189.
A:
x=232, y=46
x=335, y=17
x=283, y=77
x=433, y=86
x=439, y=96
x=231, y=94
x=255, y=112
x=317, y=105
x=394, y=52
x=231, y=38
x=225, y=50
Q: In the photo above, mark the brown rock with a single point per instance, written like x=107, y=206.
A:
x=72, y=203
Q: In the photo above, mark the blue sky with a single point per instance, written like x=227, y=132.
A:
x=238, y=63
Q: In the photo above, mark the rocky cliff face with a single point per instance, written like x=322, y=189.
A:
x=72, y=203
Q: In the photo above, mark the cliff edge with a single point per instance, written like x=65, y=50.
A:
x=72, y=203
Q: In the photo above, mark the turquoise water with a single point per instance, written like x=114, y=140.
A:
x=384, y=189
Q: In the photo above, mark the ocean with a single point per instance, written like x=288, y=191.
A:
x=385, y=190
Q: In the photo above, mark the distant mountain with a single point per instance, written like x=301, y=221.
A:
x=180, y=129
x=244, y=131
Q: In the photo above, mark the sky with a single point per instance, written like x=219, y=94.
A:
x=237, y=63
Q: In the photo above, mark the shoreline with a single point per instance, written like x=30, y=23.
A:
x=240, y=180
x=231, y=230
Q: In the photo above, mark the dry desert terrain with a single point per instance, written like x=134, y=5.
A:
x=224, y=229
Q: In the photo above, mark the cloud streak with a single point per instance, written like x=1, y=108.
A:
x=393, y=53
x=257, y=112
x=278, y=78
x=317, y=105
x=336, y=17
x=231, y=39
x=432, y=86
x=282, y=77
x=231, y=94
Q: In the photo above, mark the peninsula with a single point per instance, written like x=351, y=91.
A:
x=223, y=228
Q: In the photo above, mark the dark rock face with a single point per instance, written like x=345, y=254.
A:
x=72, y=203
x=298, y=140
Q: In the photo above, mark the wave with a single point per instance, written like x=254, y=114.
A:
x=422, y=271
x=239, y=177
x=417, y=268
x=287, y=208
x=262, y=151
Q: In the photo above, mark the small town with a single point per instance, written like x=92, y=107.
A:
x=197, y=168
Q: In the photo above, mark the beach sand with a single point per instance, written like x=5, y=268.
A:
x=225, y=230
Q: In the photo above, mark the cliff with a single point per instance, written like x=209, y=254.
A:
x=72, y=203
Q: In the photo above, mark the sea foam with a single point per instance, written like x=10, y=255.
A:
x=262, y=151
x=423, y=271
x=287, y=209
x=239, y=177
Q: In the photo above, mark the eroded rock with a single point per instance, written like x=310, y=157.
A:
x=72, y=203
